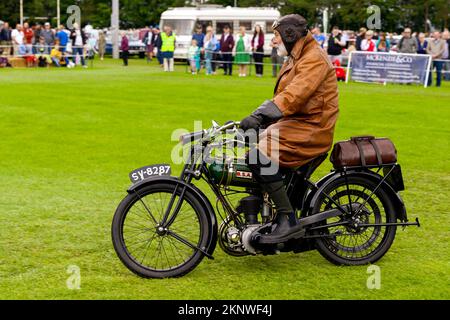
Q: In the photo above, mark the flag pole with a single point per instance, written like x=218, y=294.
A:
x=21, y=12
x=58, y=12
x=115, y=28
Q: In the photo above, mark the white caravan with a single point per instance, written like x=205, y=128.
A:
x=184, y=20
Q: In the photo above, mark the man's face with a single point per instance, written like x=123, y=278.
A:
x=6, y=25
x=25, y=25
x=407, y=32
x=277, y=38
x=437, y=35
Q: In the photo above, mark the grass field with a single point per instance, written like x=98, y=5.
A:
x=70, y=137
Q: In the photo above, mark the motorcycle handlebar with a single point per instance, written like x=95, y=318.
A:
x=193, y=136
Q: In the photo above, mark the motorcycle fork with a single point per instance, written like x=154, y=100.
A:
x=166, y=220
x=189, y=171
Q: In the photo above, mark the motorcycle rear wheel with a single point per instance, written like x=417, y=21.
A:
x=356, y=246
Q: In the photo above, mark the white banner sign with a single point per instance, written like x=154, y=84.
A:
x=382, y=67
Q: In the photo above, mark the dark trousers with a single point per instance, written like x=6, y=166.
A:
x=215, y=57
x=258, y=56
x=227, y=59
x=438, y=65
x=159, y=57
x=75, y=51
x=125, y=57
x=277, y=61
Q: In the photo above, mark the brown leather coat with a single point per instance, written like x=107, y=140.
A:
x=307, y=94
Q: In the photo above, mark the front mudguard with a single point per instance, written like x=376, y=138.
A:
x=201, y=197
x=397, y=201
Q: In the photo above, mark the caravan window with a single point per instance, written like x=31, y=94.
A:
x=246, y=24
x=204, y=24
x=180, y=27
x=269, y=26
x=221, y=24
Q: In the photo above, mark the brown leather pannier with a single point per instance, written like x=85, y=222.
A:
x=363, y=151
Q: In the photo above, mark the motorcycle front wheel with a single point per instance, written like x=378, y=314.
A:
x=148, y=250
x=356, y=239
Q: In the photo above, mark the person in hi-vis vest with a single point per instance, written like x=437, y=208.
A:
x=168, y=47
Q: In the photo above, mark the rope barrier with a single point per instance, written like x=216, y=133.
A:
x=252, y=62
x=89, y=53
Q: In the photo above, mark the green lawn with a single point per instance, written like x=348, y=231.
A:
x=70, y=137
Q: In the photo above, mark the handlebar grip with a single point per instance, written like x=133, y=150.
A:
x=191, y=137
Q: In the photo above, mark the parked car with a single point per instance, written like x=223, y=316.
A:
x=135, y=37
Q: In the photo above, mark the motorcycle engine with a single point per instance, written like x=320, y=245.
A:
x=236, y=240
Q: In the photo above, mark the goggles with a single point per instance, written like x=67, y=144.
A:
x=275, y=24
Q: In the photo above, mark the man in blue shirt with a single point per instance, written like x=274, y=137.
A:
x=320, y=38
x=199, y=36
x=63, y=38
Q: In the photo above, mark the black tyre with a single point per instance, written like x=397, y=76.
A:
x=346, y=244
x=141, y=245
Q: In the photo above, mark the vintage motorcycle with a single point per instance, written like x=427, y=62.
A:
x=166, y=225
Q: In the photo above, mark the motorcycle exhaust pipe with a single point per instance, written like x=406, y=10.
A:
x=299, y=230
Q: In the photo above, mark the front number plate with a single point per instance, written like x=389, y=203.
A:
x=149, y=171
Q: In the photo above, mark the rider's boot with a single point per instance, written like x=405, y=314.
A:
x=285, y=219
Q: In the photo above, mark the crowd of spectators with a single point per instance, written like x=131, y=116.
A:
x=436, y=44
x=247, y=47
x=208, y=51
x=42, y=45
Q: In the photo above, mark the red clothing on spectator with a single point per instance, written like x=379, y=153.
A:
x=258, y=43
x=28, y=35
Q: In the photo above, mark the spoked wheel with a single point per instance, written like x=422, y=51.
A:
x=148, y=248
x=355, y=238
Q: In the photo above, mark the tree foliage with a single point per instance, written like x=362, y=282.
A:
x=347, y=14
x=395, y=14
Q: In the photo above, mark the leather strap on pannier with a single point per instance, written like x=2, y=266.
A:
x=357, y=140
x=377, y=152
x=361, y=152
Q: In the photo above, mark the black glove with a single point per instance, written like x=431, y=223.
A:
x=251, y=122
x=268, y=112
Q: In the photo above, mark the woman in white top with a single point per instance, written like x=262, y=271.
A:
x=242, y=50
x=17, y=40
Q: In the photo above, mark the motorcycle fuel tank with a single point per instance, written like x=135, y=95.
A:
x=231, y=174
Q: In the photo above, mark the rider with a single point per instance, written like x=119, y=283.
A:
x=301, y=117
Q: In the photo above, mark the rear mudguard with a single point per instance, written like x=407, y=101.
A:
x=397, y=201
x=201, y=197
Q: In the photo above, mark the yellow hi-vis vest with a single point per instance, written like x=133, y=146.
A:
x=168, y=42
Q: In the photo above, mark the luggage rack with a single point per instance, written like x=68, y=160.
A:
x=392, y=173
